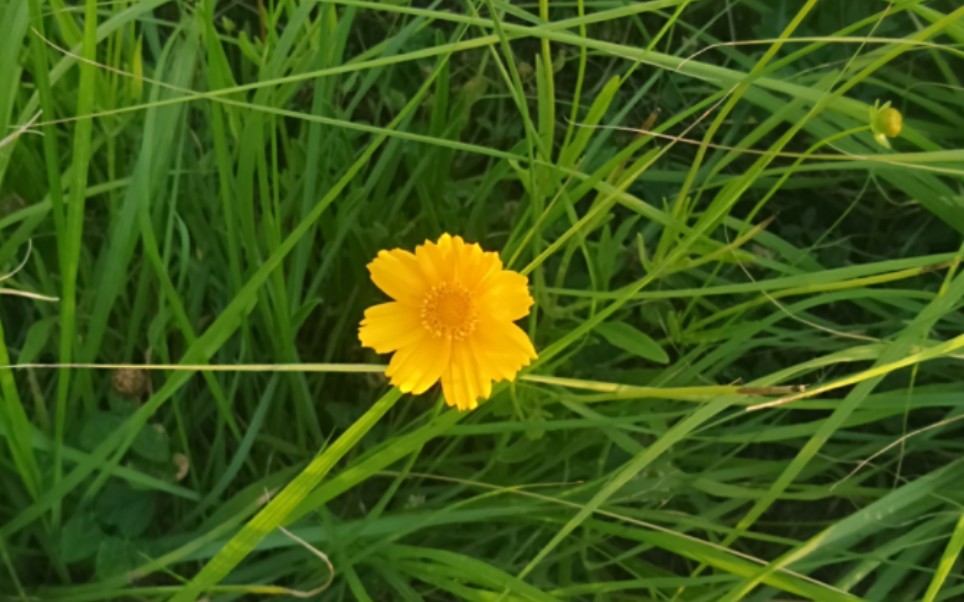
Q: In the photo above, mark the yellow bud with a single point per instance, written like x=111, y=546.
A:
x=885, y=122
x=890, y=121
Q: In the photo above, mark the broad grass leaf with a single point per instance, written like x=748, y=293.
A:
x=632, y=340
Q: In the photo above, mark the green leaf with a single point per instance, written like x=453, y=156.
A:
x=128, y=510
x=37, y=337
x=80, y=538
x=116, y=556
x=627, y=338
x=153, y=443
x=97, y=427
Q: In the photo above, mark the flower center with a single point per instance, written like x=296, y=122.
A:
x=448, y=311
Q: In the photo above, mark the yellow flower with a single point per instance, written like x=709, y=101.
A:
x=451, y=319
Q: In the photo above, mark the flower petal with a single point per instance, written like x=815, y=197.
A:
x=521, y=341
x=462, y=383
x=502, y=349
x=417, y=367
x=476, y=265
x=505, y=296
x=435, y=261
x=390, y=326
x=397, y=273
x=482, y=377
x=458, y=387
x=454, y=396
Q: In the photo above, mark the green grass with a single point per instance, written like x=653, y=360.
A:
x=748, y=310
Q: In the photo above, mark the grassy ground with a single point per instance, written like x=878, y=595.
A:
x=696, y=192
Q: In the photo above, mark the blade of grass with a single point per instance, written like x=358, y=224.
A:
x=281, y=506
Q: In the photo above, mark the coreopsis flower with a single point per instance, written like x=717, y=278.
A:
x=452, y=319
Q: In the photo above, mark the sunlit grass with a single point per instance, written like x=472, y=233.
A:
x=747, y=284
